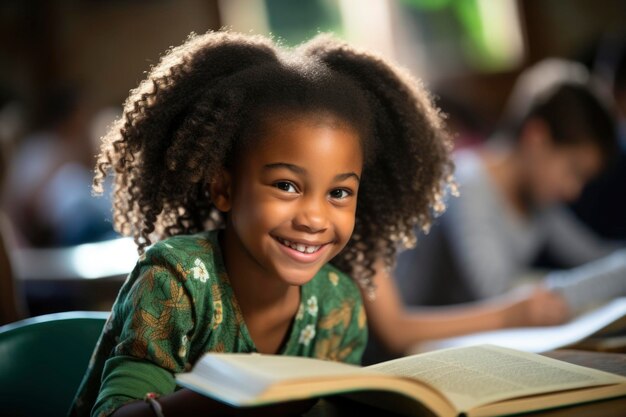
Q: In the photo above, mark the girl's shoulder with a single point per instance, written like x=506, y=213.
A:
x=196, y=256
x=205, y=240
x=184, y=247
x=182, y=266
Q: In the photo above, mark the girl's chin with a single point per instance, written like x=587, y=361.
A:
x=297, y=276
x=299, y=281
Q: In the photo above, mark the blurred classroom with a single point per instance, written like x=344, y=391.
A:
x=67, y=65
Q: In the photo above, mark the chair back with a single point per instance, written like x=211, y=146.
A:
x=12, y=298
x=43, y=360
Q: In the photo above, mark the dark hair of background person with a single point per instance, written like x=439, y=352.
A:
x=574, y=116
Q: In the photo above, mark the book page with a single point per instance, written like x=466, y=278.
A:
x=251, y=379
x=478, y=375
x=538, y=339
x=272, y=368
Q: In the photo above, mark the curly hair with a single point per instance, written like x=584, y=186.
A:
x=195, y=111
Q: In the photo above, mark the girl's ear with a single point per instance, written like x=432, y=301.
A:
x=220, y=191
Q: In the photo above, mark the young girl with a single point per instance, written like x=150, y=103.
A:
x=259, y=180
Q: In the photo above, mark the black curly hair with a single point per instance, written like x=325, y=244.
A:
x=194, y=112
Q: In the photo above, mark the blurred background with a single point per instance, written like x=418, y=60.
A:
x=66, y=66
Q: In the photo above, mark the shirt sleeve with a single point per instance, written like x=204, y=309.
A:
x=479, y=247
x=571, y=241
x=157, y=324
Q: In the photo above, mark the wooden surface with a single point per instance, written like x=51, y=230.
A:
x=610, y=362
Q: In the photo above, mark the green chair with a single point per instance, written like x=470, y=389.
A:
x=43, y=360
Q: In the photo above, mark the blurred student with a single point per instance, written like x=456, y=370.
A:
x=48, y=190
x=557, y=136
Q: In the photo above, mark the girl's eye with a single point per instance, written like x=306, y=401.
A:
x=340, y=193
x=286, y=186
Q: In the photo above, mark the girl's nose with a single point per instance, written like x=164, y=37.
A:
x=311, y=216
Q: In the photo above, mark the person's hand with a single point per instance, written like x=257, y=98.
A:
x=545, y=307
x=537, y=306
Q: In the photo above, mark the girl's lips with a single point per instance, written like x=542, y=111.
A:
x=300, y=252
x=300, y=246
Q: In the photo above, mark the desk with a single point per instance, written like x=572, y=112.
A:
x=82, y=277
x=610, y=362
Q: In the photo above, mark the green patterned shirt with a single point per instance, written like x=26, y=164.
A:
x=177, y=304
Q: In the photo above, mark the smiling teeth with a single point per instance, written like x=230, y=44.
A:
x=299, y=246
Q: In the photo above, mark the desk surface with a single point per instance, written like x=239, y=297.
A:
x=610, y=362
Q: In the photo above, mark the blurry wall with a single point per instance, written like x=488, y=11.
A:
x=105, y=46
x=551, y=28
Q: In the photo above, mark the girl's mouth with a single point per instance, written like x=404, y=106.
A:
x=302, y=248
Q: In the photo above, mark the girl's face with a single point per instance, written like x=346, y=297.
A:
x=291, y=201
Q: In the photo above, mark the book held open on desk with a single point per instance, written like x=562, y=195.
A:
x=483, y=380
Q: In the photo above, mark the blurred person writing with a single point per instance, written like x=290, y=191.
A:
x=557, y=135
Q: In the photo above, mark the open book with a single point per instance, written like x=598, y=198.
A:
x=474, y=381
x=599, y=328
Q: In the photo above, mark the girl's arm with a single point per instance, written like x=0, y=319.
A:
x=185, y=402
x=399, y=327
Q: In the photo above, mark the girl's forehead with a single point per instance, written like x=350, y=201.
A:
x=279, y=119
x=308, y=139
x=292, y=125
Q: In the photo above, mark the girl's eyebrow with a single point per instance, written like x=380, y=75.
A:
x=299, y=170
x=295, y=168
x=341, y=177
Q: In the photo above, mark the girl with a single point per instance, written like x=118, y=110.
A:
x=243, y=163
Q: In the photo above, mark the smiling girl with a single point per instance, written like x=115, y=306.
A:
x=261, y=186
